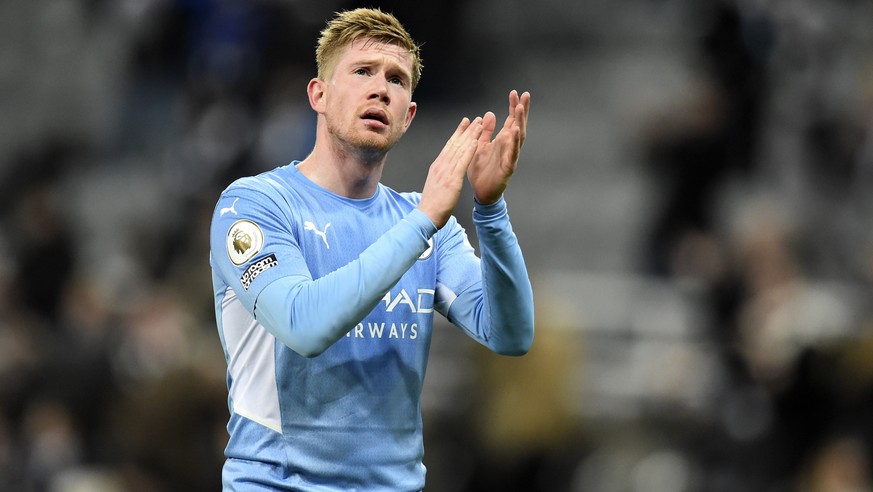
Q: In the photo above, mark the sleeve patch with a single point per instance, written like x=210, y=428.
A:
x=256, y=269
x=244, y=240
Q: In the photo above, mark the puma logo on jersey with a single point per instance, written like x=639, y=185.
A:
x=229, y=209
x=309, y=226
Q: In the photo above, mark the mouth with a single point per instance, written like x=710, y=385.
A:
x=375, y=115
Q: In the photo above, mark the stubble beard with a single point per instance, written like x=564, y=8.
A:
x=366, y=145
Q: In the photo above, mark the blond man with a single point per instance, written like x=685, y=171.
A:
x=326, y=280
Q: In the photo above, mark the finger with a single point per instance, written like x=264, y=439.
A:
x=476, y=131
x=513, y=100
x=456, y=151
x=509, y=121
x=452, y=142
x=519, y=114
x=474, y=128
x=525, y=102
x=472, y=132
x=489, y=123
x=513, y=104
x=462, y=127
x=516, y=135
x=521, y=122
x=467, y=157
x=518, y=138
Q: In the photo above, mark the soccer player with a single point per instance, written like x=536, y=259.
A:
x=326, y=280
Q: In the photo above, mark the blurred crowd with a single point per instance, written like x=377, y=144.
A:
x=123, y=120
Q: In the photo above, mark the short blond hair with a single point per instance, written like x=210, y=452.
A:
x=351, y=25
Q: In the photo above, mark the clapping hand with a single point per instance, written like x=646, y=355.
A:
x=495, y=160
x=445, y=178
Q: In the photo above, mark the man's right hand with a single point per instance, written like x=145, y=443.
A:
x=445, y=178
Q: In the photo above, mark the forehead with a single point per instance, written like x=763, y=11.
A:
x=370, y=50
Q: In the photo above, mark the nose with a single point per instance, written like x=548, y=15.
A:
x=379, y=90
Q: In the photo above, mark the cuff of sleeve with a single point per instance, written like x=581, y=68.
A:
x=421, y=222
x=490, y=211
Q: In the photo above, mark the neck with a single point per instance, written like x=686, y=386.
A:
x=352, y=173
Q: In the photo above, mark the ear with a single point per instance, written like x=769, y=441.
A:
x=316, y=92
x=410, y=114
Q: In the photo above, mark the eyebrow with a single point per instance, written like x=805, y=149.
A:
x=393, y=66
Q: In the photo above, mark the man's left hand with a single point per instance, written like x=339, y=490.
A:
x=495, y=160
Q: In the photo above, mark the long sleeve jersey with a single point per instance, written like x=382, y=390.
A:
x=324, y=306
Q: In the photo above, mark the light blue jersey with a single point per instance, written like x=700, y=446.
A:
x=325, y=306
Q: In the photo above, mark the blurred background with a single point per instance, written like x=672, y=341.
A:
x=695, y=203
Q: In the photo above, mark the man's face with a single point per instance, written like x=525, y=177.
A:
x=367, y=101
